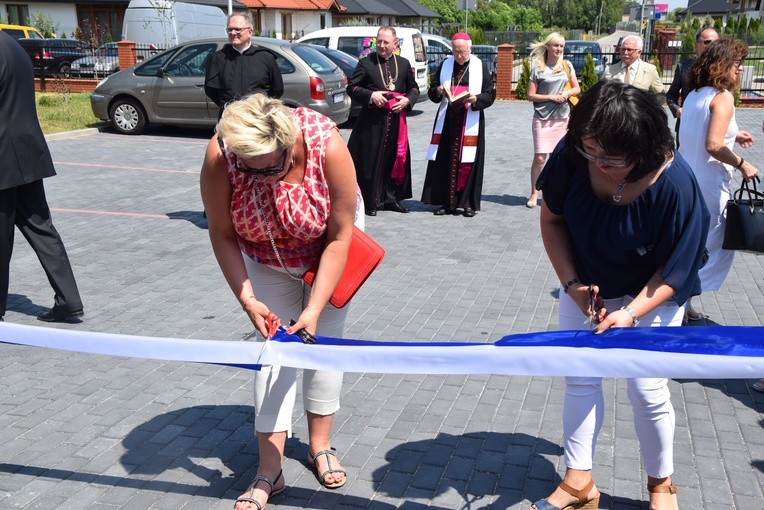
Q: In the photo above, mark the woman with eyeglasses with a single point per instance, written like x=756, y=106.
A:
x=710, y=131
x=550, y=73
x=624, y=226
x=280, y=192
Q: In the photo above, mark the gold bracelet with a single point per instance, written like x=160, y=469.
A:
x=244, y=303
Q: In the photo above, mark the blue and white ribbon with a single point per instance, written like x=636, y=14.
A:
x=718, y=352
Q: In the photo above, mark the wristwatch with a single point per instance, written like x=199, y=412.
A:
x=634, y=318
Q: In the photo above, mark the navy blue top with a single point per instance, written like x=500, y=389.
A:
x=620, y=247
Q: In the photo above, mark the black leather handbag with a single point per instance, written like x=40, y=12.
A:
x=745, y=219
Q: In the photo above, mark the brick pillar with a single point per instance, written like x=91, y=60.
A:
x=126, y=53
x=505, y=66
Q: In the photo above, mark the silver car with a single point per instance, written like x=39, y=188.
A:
x=104, y=62
x=169, y=88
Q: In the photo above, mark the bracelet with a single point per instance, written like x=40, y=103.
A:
x=740, y=164
x=571, y=282
x=244, y=303
x=634, y=318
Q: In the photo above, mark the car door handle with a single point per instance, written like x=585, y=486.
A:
x=200, y=85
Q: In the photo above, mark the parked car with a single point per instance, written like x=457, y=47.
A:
x=104, y=62
x=347, y=63
x=360, y=41
x=437, y=49
x=169, y=88
x=488, y=54
x=21, y=32
x=576, y=51
x=54, y=56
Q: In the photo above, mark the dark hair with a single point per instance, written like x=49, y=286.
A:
x=712, y=67
x=625, y=121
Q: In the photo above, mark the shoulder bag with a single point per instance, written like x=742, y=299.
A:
x=744, y=230
x=364, y=256
x=572, y=99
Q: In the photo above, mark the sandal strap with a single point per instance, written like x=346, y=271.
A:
x=329, y=470
x=332, y=452
x=582, y=494
x=662, y=489
x=249, y=500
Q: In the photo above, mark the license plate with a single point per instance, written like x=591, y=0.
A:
x=338, y=97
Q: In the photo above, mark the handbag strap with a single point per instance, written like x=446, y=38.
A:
x=751, y=194
x=567, y=71
x=270, y=233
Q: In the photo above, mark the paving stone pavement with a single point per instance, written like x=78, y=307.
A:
x=83, y=431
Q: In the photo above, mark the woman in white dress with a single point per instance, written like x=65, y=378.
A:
x=707, y=136
x=551, y=109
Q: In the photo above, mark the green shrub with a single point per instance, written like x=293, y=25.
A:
x=521, y=91
x=588, y=74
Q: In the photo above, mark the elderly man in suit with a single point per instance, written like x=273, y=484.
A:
x=26, y=162
x=634, y=71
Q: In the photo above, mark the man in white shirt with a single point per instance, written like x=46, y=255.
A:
x=634, y=71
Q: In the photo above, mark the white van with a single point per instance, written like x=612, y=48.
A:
x=166, y=23
x=359, y=41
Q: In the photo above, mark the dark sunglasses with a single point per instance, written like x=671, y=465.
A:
x=707, y=42
x=265, y=172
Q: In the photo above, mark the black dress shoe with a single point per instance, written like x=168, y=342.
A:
x=395, y=206
x=54, y=315
x=371, y=212
x=469, y=212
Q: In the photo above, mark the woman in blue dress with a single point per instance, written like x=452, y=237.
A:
x=622, y=219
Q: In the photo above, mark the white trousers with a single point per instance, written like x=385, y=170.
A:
x=276, y=387
x=584, y=407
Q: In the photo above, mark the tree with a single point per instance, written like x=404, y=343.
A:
x=688, y=45
x=521, y=91
x=44, y=24
x=588, y=74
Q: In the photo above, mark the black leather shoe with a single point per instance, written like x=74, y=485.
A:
x=395, y=206
x=54, y=315
x=469, y=212
x=443, y=211
x=371, y=212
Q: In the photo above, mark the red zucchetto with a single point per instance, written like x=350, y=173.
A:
x=461, y=36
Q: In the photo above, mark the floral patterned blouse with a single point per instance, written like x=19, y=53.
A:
x=297, y=213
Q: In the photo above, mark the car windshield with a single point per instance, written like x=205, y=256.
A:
x=314, y=59
x=581, y=48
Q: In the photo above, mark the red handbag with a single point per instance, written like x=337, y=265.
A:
x=364, y=257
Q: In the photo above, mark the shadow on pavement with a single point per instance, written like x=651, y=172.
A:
x=194, y=217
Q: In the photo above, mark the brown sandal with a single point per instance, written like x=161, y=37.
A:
x=584, y=503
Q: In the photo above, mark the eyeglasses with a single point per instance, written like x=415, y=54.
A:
x=236, y=30
x=604, y=161
x=629, y=50
x=707, y=42
x=264, y=172
x=737, y=62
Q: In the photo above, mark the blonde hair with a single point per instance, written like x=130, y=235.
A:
x=540, y=52
x=256, y=125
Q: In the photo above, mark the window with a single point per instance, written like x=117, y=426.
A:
x=191, y=61
x=315, y=59
x=98, y=23
x=151, y=67
x=322, y=21
x=17, y=14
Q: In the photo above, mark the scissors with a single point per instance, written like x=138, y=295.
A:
x=594, y=307
x=273, y=324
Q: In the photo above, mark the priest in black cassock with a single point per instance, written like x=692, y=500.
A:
x=464, y=88
x=384, y=84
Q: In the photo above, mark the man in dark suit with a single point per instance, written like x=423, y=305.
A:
x=679, y=87
x=26, y=161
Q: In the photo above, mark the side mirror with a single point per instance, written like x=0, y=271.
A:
x=160, y=73
x=606, y=60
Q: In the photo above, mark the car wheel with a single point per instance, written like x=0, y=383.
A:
x=65, y=70
x=128, y=117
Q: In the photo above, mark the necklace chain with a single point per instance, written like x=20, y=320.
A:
x=391, y=79
x=270, y=232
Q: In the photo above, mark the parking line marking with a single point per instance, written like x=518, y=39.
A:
x=121, y=167
x=117, y=213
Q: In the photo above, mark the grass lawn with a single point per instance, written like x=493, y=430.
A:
x=59, y=112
